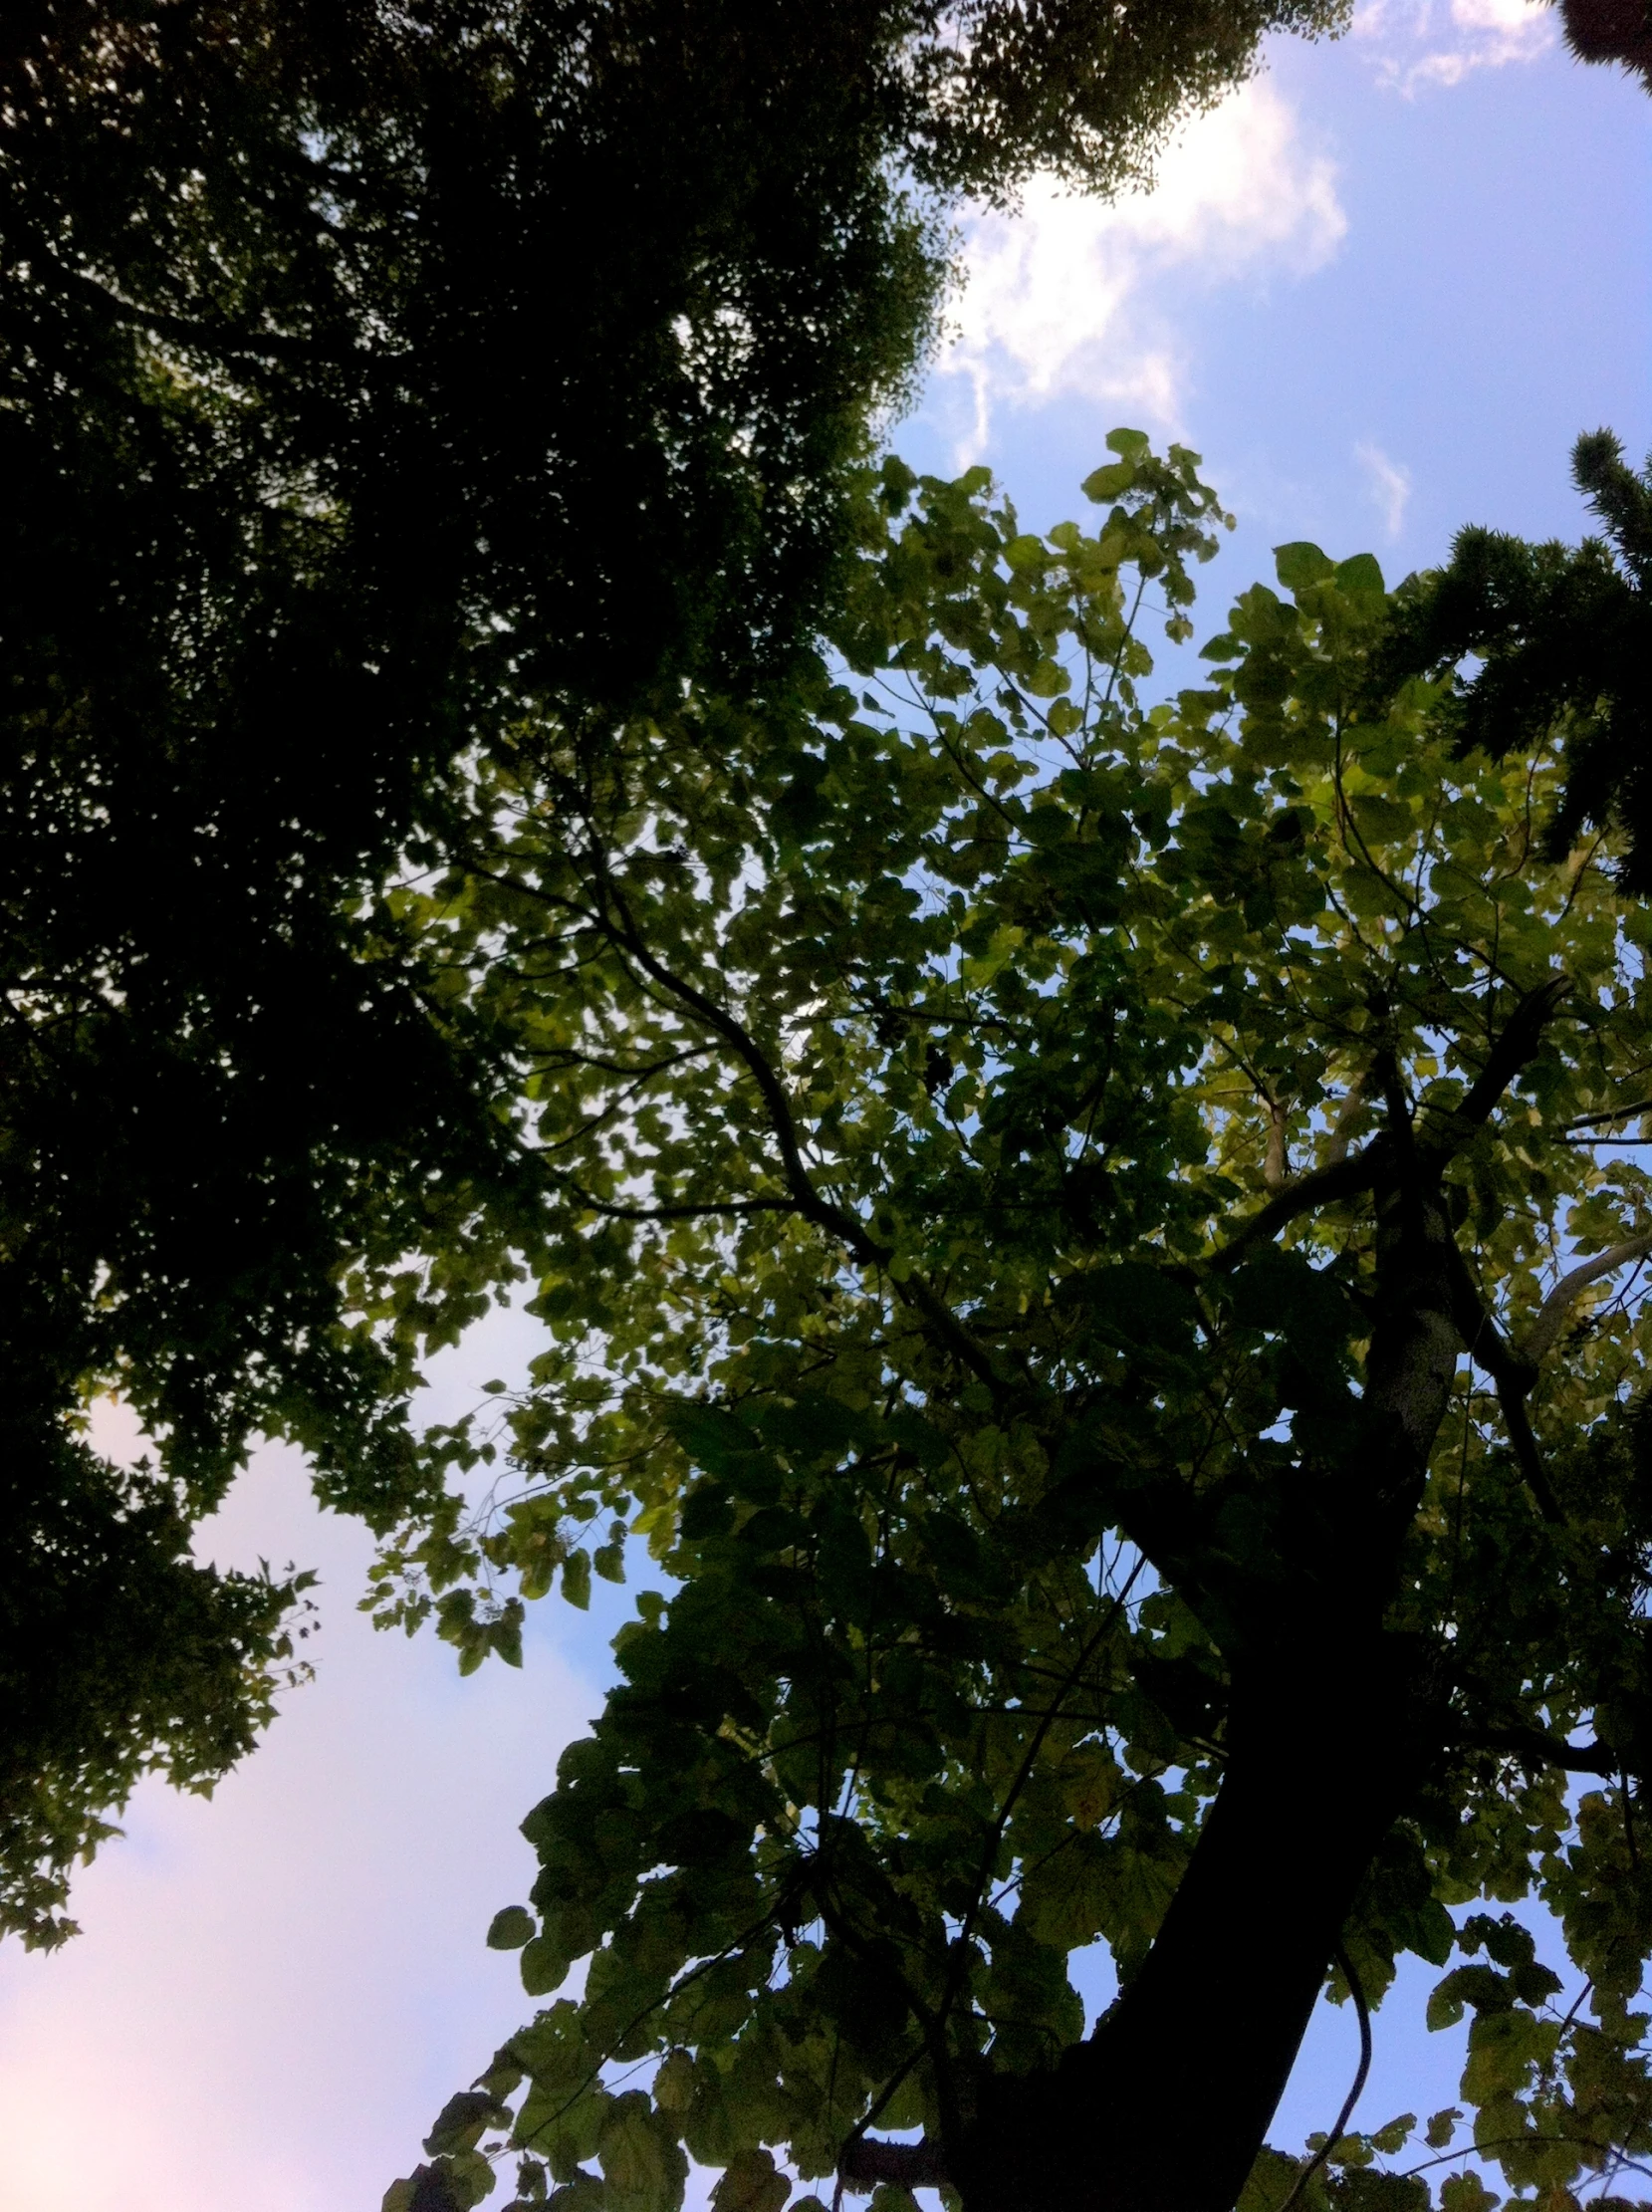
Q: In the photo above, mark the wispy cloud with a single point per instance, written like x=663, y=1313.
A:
x=1388, y=484
x=1416, y=44
x=1059, y=297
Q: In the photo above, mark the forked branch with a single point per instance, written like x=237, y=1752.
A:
x=1342, y=1178
x=1515, y=1047
x=847, y=1227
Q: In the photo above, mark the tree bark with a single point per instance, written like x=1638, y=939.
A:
x=1166, y=2107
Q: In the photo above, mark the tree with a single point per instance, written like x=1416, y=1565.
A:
x=1564, y=636
x=1098, y=1249
x=1609, y=31
x=365, y=371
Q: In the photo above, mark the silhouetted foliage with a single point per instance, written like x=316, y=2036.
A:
x=1564, y=639
x=368, y=374
x=1610, y=31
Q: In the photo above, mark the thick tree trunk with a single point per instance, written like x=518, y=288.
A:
x=1164, y=2108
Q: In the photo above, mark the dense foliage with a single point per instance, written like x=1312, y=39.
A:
x=1095, y=1245
x=364, y=369
x=1562, y=636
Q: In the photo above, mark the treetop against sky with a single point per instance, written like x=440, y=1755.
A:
x=258, y=461
x=1091, y=1246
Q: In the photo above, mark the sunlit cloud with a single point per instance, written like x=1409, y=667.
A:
x=1059, y=297
x=1388, y=484
x=1417, y=43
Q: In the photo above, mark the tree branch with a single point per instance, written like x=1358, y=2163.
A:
x=1514, y=1048
x=1352, y=2099
x=1341, y=1178
x=905, y=2165
x=1616, y=1113
x=1549, y=1750
x=226, y=341
x=1342, y=1130
x=680, y=1213
x=1552, y=1315
x=1276, y=1167
x=1513, y=1375
x=845, y=1226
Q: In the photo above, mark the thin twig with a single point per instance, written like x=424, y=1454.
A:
x=1352, y=2099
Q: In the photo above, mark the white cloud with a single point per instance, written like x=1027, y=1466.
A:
x=1419, y=43
x=1388, y=484
x=1057, y=296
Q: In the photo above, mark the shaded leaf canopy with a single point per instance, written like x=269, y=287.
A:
x=364, y=370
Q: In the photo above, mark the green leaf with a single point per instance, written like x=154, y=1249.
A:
x=1393, y=2134
x=1381, y=821
x=461, y=2122
x=1362, y=578
x=1467, y=2192
x=750, y=2183
x=511, y=1928
x=1108, y=482
x=577, y=1579
x=674, y=2082
x=643, y=2169
x=1301, y=566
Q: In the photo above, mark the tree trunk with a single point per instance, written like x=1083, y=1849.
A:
x=1166, y=2107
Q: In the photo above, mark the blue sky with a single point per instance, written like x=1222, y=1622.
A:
x=1380, y=303
x=1382, y=293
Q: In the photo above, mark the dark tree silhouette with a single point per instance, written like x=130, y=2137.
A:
x=1610, y=31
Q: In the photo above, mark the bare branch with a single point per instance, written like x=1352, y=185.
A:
x=1342, y=1178
x=1552, y=1315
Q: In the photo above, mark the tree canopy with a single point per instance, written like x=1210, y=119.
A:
x=1096, y=1239
x=366, y=371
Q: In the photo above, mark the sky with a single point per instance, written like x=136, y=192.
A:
x=1381, y=291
